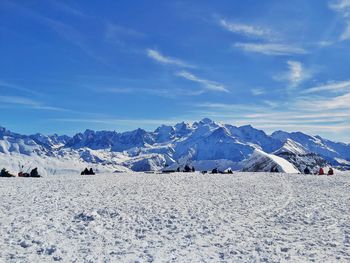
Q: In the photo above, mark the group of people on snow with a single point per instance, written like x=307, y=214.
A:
x=187, y=169
x=33, y=173
x=320, y=172
x=217, y=171
x=87, y=172
x=274, y=169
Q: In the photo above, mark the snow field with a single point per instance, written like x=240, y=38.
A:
x=138, y=217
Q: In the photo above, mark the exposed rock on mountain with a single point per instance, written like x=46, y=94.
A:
x=205, y=145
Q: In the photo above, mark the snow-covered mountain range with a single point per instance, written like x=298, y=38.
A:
x=205, y=145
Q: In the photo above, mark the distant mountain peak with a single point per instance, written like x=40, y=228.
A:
x=205, y=142
x=247, y=126
x=206, y=121
x=291, y=146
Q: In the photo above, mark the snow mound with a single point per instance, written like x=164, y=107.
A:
x=301, y=161
x=260, y=161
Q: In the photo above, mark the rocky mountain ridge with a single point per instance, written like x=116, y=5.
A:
x=205, y=144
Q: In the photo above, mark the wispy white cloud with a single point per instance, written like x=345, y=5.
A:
x=335, y=103
x=296, y=72
x=310, y=128
x=258, y=91
x=18, y=100
x=116, y=90
x=112, y=121
x=295, y=75
x=157, y=56
x=272, y=104
x=339, y=86
x=273, y=43
x=28, y=103
x=293, y=117
x=10, y=86
x=115, y=32
x=271, y=49
x=346, y=34
x=246, y=29
x=223, y=108
x=73, y=36
x=288, y=117
x=342, y=7
x=206, y=84
x=324, y=43
x=62, y=29
x=68, y=9
x=167, y=93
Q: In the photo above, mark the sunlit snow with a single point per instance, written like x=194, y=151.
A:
x=139, y=217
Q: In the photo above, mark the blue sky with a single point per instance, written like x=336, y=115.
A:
x=70, y=65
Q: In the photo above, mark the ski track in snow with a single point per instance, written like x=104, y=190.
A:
x=137, y=217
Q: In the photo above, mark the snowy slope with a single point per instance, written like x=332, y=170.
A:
x=311, y=160
x=260, y=161
x=315, y=144
x=249, y=135
x=136, y=217
x=212, y=144
x=291, y=146
x=50, y=142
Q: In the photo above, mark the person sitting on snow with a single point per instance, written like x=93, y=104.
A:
x=307, y=170
x=34, y=172
x=5, y=173
x=85, y=172
x=321, y=172
x=187, y=169
x=330, y=171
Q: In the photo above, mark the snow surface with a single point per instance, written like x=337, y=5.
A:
x=342, y=161
x=138, y=217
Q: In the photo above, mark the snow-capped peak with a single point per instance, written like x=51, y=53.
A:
x=202, y=142
x=206, y=121
x=291, y=146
